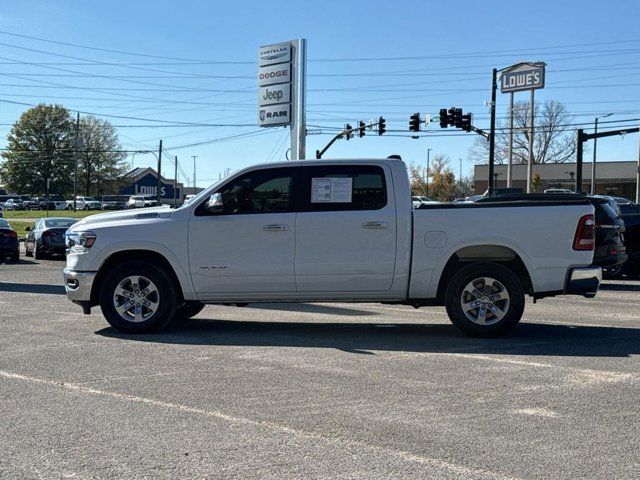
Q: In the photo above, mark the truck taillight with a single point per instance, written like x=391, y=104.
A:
x=585, y=238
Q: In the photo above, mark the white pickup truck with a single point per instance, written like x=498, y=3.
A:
x=330, y=231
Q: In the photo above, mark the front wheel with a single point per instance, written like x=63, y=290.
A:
x=138, y=297
x=485, y=300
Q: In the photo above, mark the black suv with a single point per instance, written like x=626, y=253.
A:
x=611, y=252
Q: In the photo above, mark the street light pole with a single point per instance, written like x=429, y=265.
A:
x=595, y=146
x=428, y=152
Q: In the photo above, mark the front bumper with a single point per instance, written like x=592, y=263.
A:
x=78, y=287
x=584, y=281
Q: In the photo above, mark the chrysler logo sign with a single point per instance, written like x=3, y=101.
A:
x=271, y=54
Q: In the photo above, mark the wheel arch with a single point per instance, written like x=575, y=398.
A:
x=493, y=253
x=117, y=258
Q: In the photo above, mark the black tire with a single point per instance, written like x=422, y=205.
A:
x=188, y=310
x=166, y=297
x=15, y=258
x=614, y=271
x=510, y=309
x=86, y=207
x=37, y=253
x=27, y=253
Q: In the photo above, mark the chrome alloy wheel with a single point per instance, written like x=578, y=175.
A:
x=485, y=301
x=136, y=299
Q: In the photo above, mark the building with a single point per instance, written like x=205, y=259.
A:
x=144, y=181
x=613, y=178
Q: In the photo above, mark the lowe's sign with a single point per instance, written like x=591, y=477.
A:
x=148, y=185
x=522, y=76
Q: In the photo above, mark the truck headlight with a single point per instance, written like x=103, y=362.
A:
x=80, y=242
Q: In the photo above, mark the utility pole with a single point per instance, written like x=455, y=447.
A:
x=530, y=162
x=510, y=164
x=595, y=146
x=159, y=186
x=194, y=172
x=492, y=133
x=460, y=175
x=175, y=184
x=75, y=162
x=428, y=152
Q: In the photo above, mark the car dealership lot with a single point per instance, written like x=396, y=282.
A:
x=316, y=391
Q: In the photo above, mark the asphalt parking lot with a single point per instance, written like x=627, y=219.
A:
x=316, y=391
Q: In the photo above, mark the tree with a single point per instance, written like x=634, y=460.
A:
x=100, y=159
x=40, y=148
x=554, y=139
x=442, y=181
x=536, y=181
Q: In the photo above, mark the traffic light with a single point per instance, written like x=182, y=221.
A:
x=444, y=118
x=349, y=131
x=414, y=122
x=361, y=127
x=466, y=122
x=382, y=125
x=456, y=117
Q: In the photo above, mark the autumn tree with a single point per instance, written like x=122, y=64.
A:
x=441, y=179
x=40, y=148
x=554, y=139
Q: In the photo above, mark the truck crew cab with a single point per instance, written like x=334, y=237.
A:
x=324, y=231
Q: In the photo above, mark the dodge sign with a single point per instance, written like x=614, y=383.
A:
x=522, y=76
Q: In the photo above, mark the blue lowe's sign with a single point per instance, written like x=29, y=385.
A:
x=148, y=185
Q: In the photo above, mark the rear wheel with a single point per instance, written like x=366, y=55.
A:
x=485, y=300
x=37, y=252
x=137, y=297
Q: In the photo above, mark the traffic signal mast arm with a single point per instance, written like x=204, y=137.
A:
x=347, y=132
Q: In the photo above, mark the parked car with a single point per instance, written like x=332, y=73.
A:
x=418, y=200
x=114, y=202
x=14, y=204
x=622, y=200
x=47, y=237
x=632, y=242
x=9, y=243
x=341, y=230
x=84, y=203
x=627, y=208
x=142, y=201
x=51, y=203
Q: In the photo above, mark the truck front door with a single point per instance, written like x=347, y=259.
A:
x=248, y=247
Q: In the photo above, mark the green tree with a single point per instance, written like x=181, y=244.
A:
x=40, y=148
x=100, y=159
x=442, y=181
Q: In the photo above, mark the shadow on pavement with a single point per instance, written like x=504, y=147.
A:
x=367, y=338
x=31, y=288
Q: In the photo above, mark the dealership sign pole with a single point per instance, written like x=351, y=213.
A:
x=281, y=90
x=517, y=78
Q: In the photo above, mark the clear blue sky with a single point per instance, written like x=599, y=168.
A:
x=592, y=53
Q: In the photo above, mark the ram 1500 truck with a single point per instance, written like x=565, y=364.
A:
x=330, y=231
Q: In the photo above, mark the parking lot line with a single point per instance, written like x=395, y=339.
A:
x=463, y=470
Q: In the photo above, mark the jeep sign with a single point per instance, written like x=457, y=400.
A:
x=523, y=76
x=273, y=94
x=273, y=115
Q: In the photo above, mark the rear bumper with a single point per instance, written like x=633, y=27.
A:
x=584, y=281
x=78, y=287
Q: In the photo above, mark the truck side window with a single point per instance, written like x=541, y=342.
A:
x=261, y=191
x=368, y=188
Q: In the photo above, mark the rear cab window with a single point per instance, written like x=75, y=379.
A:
x=344, y=187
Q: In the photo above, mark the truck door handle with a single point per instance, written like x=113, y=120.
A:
x=375, y=225
x=276, y=228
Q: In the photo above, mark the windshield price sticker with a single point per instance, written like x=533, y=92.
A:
x=331, y=190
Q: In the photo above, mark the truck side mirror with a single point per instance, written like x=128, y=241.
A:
x=214, y=204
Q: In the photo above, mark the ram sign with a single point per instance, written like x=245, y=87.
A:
x=274, y=84
x=523, y=76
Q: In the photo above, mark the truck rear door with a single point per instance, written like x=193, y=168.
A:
x=345, y=229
